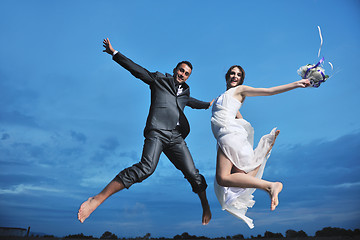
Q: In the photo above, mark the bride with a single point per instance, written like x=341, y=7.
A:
x=239, y=166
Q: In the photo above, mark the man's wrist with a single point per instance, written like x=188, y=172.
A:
x=114, y=52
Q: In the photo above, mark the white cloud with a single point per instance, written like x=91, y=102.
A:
x=29, y=189
x=347, y=185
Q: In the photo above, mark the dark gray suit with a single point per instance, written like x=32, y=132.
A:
x=166, y=127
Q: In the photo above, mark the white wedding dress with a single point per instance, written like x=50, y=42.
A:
x=235, y=137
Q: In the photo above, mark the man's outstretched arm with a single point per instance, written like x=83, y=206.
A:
x=197, y=104
x=135, y=69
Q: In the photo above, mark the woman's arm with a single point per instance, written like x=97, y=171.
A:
x=246, y=91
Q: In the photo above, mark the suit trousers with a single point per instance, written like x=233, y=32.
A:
x=173, y=145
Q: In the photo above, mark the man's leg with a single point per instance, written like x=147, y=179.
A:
x=152, y=150
x=179, y=154
x=93, y=202
x=136, y=173
x=206, y=217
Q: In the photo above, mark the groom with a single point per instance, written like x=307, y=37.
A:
x=165, y=131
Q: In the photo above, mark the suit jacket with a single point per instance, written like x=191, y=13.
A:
x=166, y=109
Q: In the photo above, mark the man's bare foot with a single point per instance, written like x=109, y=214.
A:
x=87, y=208
x=274, y=192
x=272, y=144
x=206, y=217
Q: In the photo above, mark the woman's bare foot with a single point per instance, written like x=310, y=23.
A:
x=87, y=208
x=206, y=217
x=272, y=144
x=274, y=191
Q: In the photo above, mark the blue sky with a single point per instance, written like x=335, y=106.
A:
x=71, y=118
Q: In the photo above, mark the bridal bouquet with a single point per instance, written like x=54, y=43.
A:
x=314, y=72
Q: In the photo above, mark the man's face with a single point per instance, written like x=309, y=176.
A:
x=182, y=73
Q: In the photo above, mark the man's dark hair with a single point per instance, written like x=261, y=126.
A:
x=186, y=62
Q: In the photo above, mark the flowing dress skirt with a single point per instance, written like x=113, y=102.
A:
x=235, y=138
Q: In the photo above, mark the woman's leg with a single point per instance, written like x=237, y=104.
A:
x=255, y=171
x=225, y=178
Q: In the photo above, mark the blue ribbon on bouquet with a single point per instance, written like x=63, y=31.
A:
x=322, y=74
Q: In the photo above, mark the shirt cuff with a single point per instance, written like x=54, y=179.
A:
x=115, y=52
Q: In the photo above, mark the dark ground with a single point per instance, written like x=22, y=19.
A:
x=306, y=238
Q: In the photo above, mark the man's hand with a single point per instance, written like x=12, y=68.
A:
x=211, y=103
x=108, y=48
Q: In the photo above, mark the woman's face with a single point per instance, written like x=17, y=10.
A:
x=234, y=78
